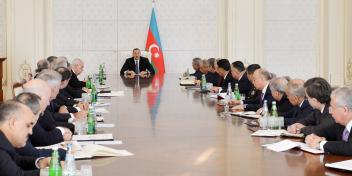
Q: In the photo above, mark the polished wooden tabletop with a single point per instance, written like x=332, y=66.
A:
x=177, y=132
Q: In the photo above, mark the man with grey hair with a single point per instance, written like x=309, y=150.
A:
x=53, y=79
x=16, y=123
x=196, y=62
x=45, y=132
x=278, y=86
x=297, y=97
x=336, y=139
x=60, y=62
x=77, y=66
x=33, y=102
x=261, y=80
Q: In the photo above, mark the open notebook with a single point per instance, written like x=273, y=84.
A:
x=344, y=165
x=247, y=114
x=276, y=133
x=288, y=144
x=93, y=150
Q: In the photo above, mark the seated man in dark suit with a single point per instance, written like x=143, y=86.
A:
x=318, y=92
x=16, y=123
x=213, y=75
x=336, y=139
x=33, y=102
x=137, y=65
x=196, y=62
x=45, y=132
x=261, y=80
x=296, y=95
x=278, y=86
x=224, y=70
x=254, y=93
x=77, y=66
x=238, y=71
x=209, y=76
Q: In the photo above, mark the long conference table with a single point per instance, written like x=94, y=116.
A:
x=177, y=132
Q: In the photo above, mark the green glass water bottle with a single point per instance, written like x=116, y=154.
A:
x=55, y=167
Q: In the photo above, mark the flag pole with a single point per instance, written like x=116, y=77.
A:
x=153, y=5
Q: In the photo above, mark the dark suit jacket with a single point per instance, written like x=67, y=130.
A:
x=12, y=164
x=335, y=144
x=259, y=103
x=74, y=92
x=225, y=83
x=75, y=82
x=298, y=113
x=45, y=131
x=213, y=78
x=130, y=65
x=284, y=106
x=197, y=74
x=317, y=121
x=30, y=150
x=64, y=98
x=245, y=85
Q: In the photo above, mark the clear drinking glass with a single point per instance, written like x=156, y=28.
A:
x=86, y=170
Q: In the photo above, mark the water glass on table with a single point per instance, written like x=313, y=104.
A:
x=86, y=170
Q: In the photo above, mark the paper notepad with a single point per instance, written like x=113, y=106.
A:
x=105, y=125
x=112, y=94
x=275, y=133
x=247, y=114
x=93, y=137
x=102, y=110
x=288, y=144
x=344, y=165
x=92, y=150
x=268, y=133
x=114, y=142
x=101, y=104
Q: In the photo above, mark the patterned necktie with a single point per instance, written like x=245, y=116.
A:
x=137, y=67
x=345, y=135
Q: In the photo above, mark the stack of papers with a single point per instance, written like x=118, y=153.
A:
x=344, y=165
x=92, y=150
x=114, y=142
x=105, y=125
x=101, y=104
x=288, y=144
x=188, y=81
x=247, y=114
x=112, y=94
x=93, y=137
x=275, y=133
x=101, y=110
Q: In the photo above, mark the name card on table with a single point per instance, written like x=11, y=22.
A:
x=112, y=94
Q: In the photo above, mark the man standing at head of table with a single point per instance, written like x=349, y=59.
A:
x=137, y=65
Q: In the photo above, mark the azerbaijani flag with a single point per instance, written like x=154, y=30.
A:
x=153, y=45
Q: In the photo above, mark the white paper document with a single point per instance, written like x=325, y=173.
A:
x=105, y=125
x=101, y=104
x=93, y=137
x=104, y=86
x=248, y=114
x=92, y=150
x=268, y=133
x=114, y=142
x=102, y=110
x=112, y=94
x=275, y=133
x=344, y=165
x=288, y=144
